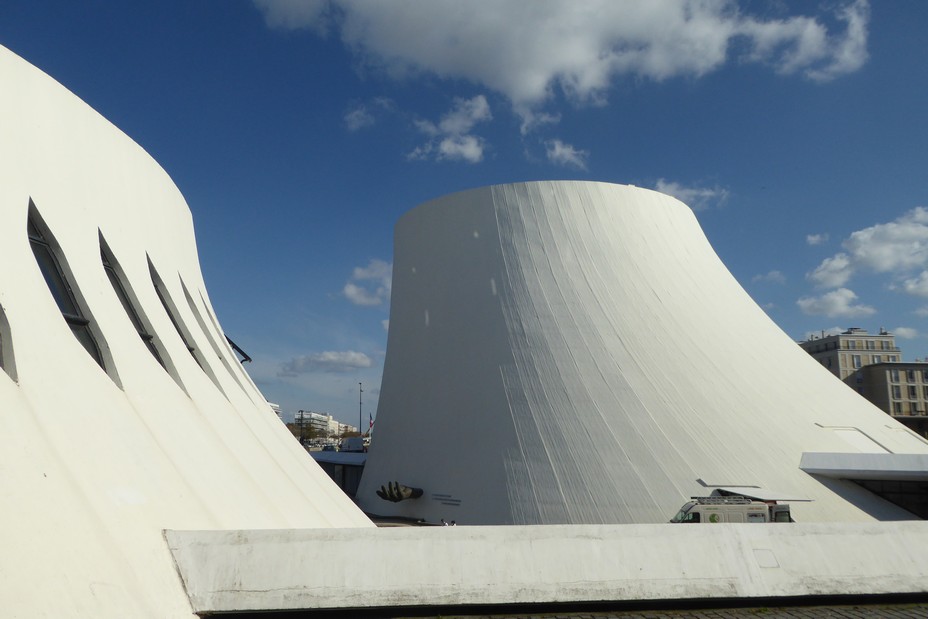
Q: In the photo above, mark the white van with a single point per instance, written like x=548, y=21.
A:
x=714, y=509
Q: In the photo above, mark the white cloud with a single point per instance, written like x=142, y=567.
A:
x=358, y=118
x=898, y=248
x=450, y=138
x=810, y=335
x=329, y=361
x=816, y=239
x=529, y=50
x=906, y=333
x=833, y=272
x=775, y=277
x=917, y=286
x=833, y=304
x=565, y=154
x=697, y=198
x=370, y=285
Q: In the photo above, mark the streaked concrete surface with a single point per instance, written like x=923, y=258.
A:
x=408, y=567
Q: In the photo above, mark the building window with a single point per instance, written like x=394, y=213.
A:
x=6, y=347
x=925, y=376
x=913, y=392
x=885, y=345
x=45, y=255
x=893, y=358
x=856, y=359
x=925, y=392
x=894, y=376
x=851, y=344
x=871, y=345
x=877, y=359
x=910, y=376
x=110, y=266
x=897, y=408
x=897, y=392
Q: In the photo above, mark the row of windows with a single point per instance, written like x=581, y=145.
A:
x=912, y=392
x=911, y=376
x=67, y=297
x=868, y=345
x=857, y=363
x=913, y=408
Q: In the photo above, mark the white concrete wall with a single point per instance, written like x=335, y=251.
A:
x=240, y=570
x=575, y=352
x=95, y=464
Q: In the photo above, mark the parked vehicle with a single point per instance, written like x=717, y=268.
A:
x=714, y=509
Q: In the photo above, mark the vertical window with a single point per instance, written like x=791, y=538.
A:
x=894, y=376
x=182, y=331
x=910, y=375
x=913, y=393
x=6, y=347
x=897, y=392
x=871, y=344
x=209, y=337
x=897, y=408
x=852, y=344
x=877, y=359
x=856, y=359
x=893, y=358
x=110, y=266
x=42, y=247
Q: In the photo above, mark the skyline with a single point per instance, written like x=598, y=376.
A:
x=299, y=132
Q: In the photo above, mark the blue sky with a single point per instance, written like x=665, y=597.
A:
x=300, y=131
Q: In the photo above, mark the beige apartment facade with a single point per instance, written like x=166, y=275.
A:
x=845, y=353
x=872, y=365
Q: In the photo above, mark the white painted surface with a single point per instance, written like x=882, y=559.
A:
x=94, y=465
x=575, y=352
x=242, y=570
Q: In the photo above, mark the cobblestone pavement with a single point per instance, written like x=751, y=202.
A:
x=844, y=611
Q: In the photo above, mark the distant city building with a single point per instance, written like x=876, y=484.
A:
x=900, y=389
x=872, y=365
x=322, y=423
x=845, y=353
x=276, y=409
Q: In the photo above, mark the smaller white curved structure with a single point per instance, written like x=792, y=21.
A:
x=575, y=352
x=122, y=412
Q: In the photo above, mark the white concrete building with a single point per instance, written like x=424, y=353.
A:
x=594, y=329
x=170, y=488
x=104, y=314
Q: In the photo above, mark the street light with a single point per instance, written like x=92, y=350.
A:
x=302, y=420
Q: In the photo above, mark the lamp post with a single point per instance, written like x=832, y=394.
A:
x=360, y=391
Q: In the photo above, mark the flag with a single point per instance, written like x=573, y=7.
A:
x=371, y=426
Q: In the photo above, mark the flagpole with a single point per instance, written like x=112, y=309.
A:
x=360, y=418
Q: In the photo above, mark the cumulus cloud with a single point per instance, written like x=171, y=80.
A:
x=329, y=361
x=564, y=154
x=816, y=239
x=697, y=198
x=833, y=304
x=899, y=248
x=809, y=335
x=774, y=277
x=370, y=285
x=906, y=333
x=528, y=51
x=450, y=138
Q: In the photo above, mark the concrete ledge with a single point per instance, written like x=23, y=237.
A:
x=226, y=571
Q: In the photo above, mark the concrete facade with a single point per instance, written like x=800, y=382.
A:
x=163, y=427
x=595, y=330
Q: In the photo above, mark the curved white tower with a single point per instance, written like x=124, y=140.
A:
x=575, y=352
x=123, y=411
